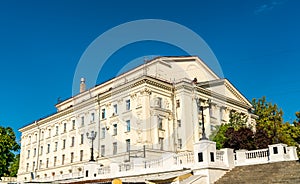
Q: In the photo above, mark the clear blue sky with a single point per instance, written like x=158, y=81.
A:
x=41, y=42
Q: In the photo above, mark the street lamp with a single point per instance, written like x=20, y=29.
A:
x=203, y=127
x=92, y=137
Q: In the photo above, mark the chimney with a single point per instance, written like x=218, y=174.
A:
x=82, y=85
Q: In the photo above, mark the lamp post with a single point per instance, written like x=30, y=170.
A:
x=203, y=127
x=92, y=137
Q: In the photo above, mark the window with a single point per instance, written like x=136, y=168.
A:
x=103, y=133
x=161, y=143
x=180, y=143
x=72, y=157
x=115, y=129
x=48, y=148
x=41, y=150
x=127, y=145
x=115, y=109
x=41, y=162
x=29, y=139
x=72, y=141
x=63, y=160
x=81, y=138
x=179, y=123
x=127, y=105
x=27, y=167
x=33, y=165
x=49, y=133
x=128, y=126
x=73, y=124
x=65, y=127
x=200, y=157
x=34, y=152
x=102, y=150
x=55, y=146
x=64, y=144
x=82, y=121
x=56, y=130
x=212, y=156
x=93, y=117
x=275, y=150
x=42, y=135
x=47, y=163
x=177, y=103
x=103, y=116
x=54, y=161
x=115, y=148
x=160, y=124
x=158, y=102
x=35, y=137
x=81, y=155
x=28, y=153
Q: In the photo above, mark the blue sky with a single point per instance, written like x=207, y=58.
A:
x=256, y=43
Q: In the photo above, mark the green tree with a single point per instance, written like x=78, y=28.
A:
x=269, y=118
x=218, y=135
x=8, y=145
x=14, y=166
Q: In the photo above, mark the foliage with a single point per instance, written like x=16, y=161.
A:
x=241, y=138
x=8, y=145
x=14, y=166
x=218, y=136
x=237, y=120
x=261, y=138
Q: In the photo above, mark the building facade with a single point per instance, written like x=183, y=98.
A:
x=147, y=112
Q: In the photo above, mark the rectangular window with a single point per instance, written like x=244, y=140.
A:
x=180, y=143
x=127, y=105
x=177, y=103
x=275, y=150
x=160, y=124
x=72, y=157
x=63, y=160
x=54, y=161
x=47, y=163
x=115, y=109
x=41, y=150
x=81, y=138
x=48, y=148
x=212, y=156
x=56, y=130
x=127, y=145
x=115, y=148
x=65, y=127
x=179, y=123
x=64, y=144
x=55, y=146
x=161, y=143
x=103, y=132
x=28, y=153
x=49, y=133
x=27, y=167
x=35, y=137
x=72, y=141
x=81, y=155
x=115, y=129
x=128, y=126
x=34, y=152
x=103, y=114
x=73, y=124
x=42, y=136
x=33, y=165
x=92, y=117
x=82, y=121
x=102, y=150
x=159, y=102
x=200, y=157
x=41, y=162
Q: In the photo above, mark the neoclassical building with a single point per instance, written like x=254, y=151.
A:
x=145, y=113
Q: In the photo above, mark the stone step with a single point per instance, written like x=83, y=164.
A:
x=279, y=172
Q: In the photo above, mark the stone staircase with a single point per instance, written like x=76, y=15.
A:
x=279, y=172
